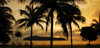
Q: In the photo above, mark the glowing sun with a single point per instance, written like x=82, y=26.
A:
x=57, y=36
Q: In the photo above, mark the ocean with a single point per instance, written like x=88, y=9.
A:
x=54, y=42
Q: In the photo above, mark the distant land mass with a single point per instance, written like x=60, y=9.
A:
x=42, y=38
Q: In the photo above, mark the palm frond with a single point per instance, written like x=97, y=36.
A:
x=10, y=32
x=40, y=10
x=24, y=12
x=65, y=30
x=80, y=18
x=22, y=25
x=5, y=9
x=21, y=21
x=31, y=22
x=9, y=16
x=93, y=24
x=95, y=21
x=41, y=21
x=2, y=2
x=76, y=24
x=48, y=20
x=22, y=1
x=40, y=25
x=28, y=8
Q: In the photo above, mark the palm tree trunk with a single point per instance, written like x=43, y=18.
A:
x=31, y=38
x=71, y=36
x=52, y=28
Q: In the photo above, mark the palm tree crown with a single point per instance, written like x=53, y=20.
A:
x=96, y=26
x=29, y=12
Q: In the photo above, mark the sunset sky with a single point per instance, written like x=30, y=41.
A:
x=90, y=11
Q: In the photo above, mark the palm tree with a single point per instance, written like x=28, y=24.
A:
x=72, y=16
x=31, y=20
x=96, y=26
x=18, y=34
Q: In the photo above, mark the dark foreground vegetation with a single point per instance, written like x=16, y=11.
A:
x=64, y=46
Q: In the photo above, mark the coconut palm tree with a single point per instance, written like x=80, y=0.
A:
x=96, y=26
x=18, y=34
x=31, y=20
x=66, y=19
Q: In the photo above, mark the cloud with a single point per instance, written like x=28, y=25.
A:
x=96, y=14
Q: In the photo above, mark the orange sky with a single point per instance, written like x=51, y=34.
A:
x=90, y=11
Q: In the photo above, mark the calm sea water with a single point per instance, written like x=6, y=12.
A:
x=54, y=42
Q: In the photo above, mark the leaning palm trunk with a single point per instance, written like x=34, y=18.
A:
x=31, y=38
x=71, y=35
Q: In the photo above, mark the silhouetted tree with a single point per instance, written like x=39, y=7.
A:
x=31, y=20
x=18, y=34
x=66, y=18
x=5, y=23
x=89, y=33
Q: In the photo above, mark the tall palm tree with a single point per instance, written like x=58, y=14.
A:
x=18, y=34
x=96, y=26
x=66, y=19
x=31, y=20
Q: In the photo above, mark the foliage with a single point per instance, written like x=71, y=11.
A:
x=5, y=23
x=89, y=33
x=18, y=34
x=96, y=26
x=31, y=20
